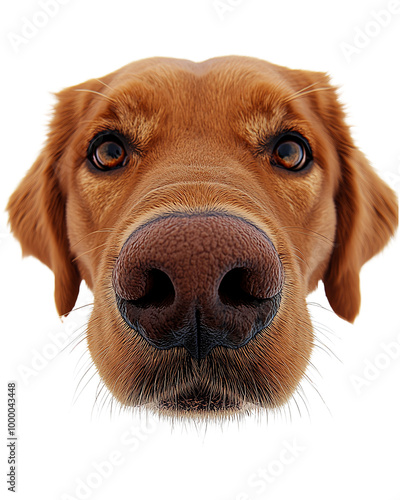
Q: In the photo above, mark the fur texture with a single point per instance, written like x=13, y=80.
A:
x=199, y=135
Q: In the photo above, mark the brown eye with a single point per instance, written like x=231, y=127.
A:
x=106, y=152
x=291, y=153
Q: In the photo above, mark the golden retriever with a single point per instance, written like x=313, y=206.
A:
x=201, y=203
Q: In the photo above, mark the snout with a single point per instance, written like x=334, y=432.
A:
x=198, y=281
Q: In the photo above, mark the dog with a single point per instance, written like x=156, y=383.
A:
x=201, y=203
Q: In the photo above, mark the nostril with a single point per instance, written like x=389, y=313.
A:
x=234, y=289
x=159, y=291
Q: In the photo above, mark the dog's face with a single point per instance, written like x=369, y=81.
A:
x=202, y=202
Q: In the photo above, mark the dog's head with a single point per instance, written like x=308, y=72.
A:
x=202, y=202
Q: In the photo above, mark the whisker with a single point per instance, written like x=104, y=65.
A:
x=76, y=396
x=88, y=251
x=111, y=407
x=302, y=396
x=303, y=260
x=324, y=348
x=91, y=365
x=324, y=330
x=79, y=342
x=100, y=385
x=74, y=337
x=104, y=401
x=90, y=91
x=320, y=332
x=320, y=396
x=81, y=307
x=315, y=304
x=309, y=232
x=304, y=92
x=103, y=83
x=296, y=404
x=85, y=364
x=104, y=230
x=299, y=92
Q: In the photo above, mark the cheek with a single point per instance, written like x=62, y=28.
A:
x=93, y=206
x=320, y=242
x=99, y=196
x=297, y=196
x=308, y=220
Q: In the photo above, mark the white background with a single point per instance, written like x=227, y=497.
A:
x=344, y=442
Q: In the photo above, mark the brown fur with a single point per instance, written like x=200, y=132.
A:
x=198, y=131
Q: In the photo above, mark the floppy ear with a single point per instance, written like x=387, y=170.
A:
x=367, y=215
x=37, y=207
x=37, y=218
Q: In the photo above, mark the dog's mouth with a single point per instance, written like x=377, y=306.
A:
x=218, y=387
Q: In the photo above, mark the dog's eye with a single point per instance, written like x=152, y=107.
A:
x=291, y=153
x=106, y=152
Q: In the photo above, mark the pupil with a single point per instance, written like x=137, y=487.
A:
x=289, y=152
x=113, y=150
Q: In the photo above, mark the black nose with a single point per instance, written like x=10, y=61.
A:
x=198, y=281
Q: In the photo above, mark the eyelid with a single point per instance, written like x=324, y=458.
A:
x=105, y=133
x=289, y=135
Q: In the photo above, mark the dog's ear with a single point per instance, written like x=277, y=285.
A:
x=367, y=216
x=37, y=207
x=366, y=209
x=37, y=217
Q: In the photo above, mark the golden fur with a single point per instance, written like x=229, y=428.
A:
x=199, y=130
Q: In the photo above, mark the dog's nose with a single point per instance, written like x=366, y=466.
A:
x=198, y=281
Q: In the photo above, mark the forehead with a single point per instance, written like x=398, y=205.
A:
x=233, y=73
x=229, y=90
x=154, y=84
